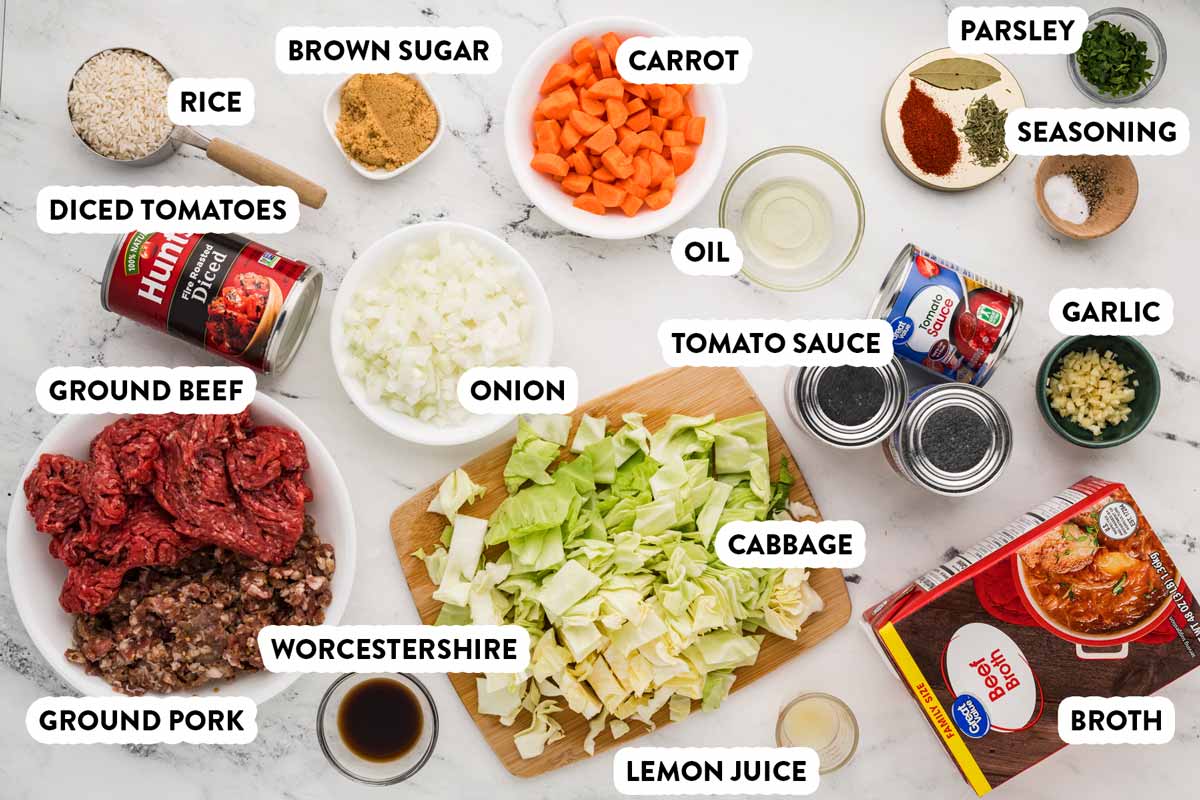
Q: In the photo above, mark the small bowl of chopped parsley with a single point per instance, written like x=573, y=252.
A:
x=1122, y=56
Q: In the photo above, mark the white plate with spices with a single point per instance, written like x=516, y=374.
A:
x=333, y=110
x=36, y=578
x=924, y=81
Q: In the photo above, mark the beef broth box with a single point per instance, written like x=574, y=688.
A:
x=1076, y=598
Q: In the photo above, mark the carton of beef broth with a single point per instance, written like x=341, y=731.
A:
x=1078, y=597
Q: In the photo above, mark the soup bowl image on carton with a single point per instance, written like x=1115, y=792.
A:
x=1077, y=597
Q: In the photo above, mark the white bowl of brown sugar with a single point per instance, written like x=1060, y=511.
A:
x=383, y=124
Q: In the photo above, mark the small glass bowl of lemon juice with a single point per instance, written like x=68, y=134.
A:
x=798, y=217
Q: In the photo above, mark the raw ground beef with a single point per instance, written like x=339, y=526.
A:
x=176, y=627
x=157, y=487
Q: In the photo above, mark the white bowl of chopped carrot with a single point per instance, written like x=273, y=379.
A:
x=600, y=155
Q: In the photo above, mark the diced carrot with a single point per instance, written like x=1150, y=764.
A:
x=668, y=182
x=570, y=136
x=637, y=90
x=590, y=80
x=617, y=113
x=581, y=74
x=588, y=202
x=659, y=199
x=683, y=88
x=611, y=42
x=660, y=168
x=673, y=138
x=602, y=175
x=583, y=51
x=682, y=158
x=608, y=195
x=559, y=75
x=651, y=141
x=606, y=64
x=680, y=122
x=654, y=90
x=639, y=121
x=641, y=171
x=546, y=134
x=657, y=124
x=585, y=123
x=550, y=164
x=580, y=163
x=633, y=188
x=617, y=162
x=592, y=105
x=576, y=183
x=671, y=104
x=635, y=105
x=538, y=116
x=630, y=205
x=607, y=88
x=558, y=104
x=602, y=139
x=694, y=133
x=628, y=141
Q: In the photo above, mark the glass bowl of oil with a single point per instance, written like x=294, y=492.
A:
x=798, y=217
x=377, y=728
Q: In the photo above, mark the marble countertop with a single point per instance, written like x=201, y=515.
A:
x=609, y=299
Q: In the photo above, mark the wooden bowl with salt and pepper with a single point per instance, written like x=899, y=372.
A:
x=1120, y=185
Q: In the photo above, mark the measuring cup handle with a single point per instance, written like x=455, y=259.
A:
x=264, y=171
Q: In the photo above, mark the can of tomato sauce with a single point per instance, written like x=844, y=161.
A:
x=945, y=319
x=225, y=293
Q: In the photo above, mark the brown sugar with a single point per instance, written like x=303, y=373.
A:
x=386, y=120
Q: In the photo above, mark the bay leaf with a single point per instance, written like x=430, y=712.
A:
x=957, y=73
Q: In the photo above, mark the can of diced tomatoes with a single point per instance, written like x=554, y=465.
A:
x=225, y=293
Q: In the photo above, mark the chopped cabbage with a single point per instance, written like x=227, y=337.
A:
x=607, y=560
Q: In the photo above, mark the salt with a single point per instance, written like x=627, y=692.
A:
x=1065, y=200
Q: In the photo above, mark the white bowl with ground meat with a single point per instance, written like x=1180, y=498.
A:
x=253, y=591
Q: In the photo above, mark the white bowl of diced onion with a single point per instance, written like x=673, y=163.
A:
x=418, y=308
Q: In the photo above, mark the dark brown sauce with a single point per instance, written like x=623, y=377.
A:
x=380, y=720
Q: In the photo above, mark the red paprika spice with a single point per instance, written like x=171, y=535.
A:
x=928, y=133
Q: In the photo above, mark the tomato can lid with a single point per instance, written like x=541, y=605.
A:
x=293, y=322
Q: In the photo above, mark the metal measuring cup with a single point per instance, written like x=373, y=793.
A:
x=244, y=162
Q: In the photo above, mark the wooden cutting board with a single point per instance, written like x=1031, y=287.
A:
x=693, y=391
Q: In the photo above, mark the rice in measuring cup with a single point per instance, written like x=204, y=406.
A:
x=118, y=104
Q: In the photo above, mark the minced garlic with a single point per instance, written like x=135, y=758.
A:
x=1091, y=390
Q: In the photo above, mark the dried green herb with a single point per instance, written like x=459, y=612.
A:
x=957, y=73
x=984, y=132
x=1113, y=59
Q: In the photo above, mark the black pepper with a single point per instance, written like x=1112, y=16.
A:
x=1092, y=181
x=955, y=439
x=850, y=395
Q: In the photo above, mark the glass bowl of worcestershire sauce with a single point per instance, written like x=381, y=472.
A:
x=377, y=728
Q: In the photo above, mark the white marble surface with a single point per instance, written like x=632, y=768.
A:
x=609, y=299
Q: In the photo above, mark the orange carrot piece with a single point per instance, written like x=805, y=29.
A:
x=630, y=205
x=682, y=158
x=550, y=164
x=671, y=104
x=680, y=122
x=694, y=132
x=637, y=90
x=592, y=105
x=611, y=42
x=628, y=141
x=558, y=104
x=683, y=88
x=590, y=80
x=617, y=113
x=668, y=182
x=673, y=138
x=606, y=64
x=570, y=136
x=659, y=199
x=607, y=88
x=559, y=75
x=580, y=163
x=602, y=175
x=641, y=171
x=651, y=141
x=585, y=123
x=576, y=183
x=635, y=105
x=660, y=168
x=588, y=202
x=547, y=135
x=639, y=121
x=602, y=139
x=634, y=188
x=580, y=75
x=654, y=90
x=617, y=162
x=609, y=196
x=583, y=51
x=658, y=125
